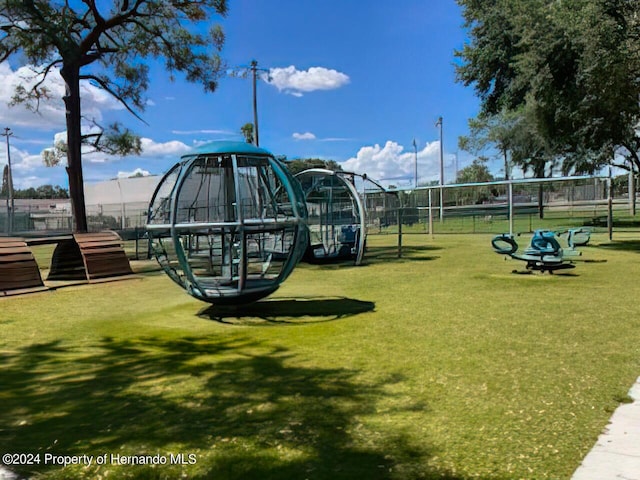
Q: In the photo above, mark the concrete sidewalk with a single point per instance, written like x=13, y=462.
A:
x=616, y=454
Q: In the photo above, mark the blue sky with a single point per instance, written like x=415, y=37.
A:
x=355, y=82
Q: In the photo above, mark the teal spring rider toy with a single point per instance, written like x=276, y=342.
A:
x=544, y=253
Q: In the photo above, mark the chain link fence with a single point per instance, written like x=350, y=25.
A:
x=499, y=207
x=473, y=208
x=33, y=218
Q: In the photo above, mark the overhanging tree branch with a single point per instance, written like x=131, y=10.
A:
x=116, y=44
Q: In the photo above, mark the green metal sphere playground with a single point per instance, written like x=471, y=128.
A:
x=227, y=223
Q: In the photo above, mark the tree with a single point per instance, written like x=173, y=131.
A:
x=247, y=132
x=4, y=192
x=109, y=48
x=486, y=62
x=113, y=141
x=42, y=192
x=477, y=172
x=573, y=65
x=491, y=131
x=300, y=164
x=514, y=135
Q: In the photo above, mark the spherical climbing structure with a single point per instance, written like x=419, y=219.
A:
x=227, y=223
x=336, y=215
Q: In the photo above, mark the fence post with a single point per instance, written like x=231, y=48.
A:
x=137, y=241
x=632, y=192
x=510, y=200
x=430, y=215
x=400, y=232
x=610, y=206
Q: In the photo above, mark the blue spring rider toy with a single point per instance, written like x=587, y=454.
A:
x=544, y=252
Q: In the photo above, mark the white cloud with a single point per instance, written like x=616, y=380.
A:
x=197, y=132
x=296, y=82
x=173, y=148
x=150, y=149
x=336, y=139
x=391, y=164
x=311, y=136
x=30, y=181
x=29, y=170
x=304, y=136
x=137, y=172
x=51, y=111
x=22, y=162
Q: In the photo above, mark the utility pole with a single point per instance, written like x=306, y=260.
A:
x=254, y=73
x=439, y=124
x=10, y=203
x=243, y=72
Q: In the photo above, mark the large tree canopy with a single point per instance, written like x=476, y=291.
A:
x=515, y=136
x=491, y=132
x=573, y=67
x=109, y=44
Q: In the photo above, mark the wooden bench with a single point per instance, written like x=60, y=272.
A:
x=18, y=267
x=88, y=256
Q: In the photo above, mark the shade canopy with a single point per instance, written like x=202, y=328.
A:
x=227, y=223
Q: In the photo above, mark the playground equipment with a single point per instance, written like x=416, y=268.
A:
x=336, y=215
x=576, y=237
x=18, y=267
x=544, y=252
x=227, y=223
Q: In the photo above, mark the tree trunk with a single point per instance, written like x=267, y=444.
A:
x=71, y=77
x=635, y=159
x=506, y=164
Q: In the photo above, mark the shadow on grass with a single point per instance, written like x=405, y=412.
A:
x=288, y=311
x=623, y=245
x=245, y=409
x=618, y=223
x=388, y=254
x=375, y=255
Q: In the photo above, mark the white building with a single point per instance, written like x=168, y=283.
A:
x=121, y=202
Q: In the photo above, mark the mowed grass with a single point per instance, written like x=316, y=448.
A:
x=442, y=364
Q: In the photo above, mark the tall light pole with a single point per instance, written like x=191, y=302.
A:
x=10, y=204
x=439, y=124
x=254, y=73
x=243, y=72
x=415, y=164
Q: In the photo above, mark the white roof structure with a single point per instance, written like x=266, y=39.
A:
x=121, y=190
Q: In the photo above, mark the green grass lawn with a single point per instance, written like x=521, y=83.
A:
x=442, y=364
